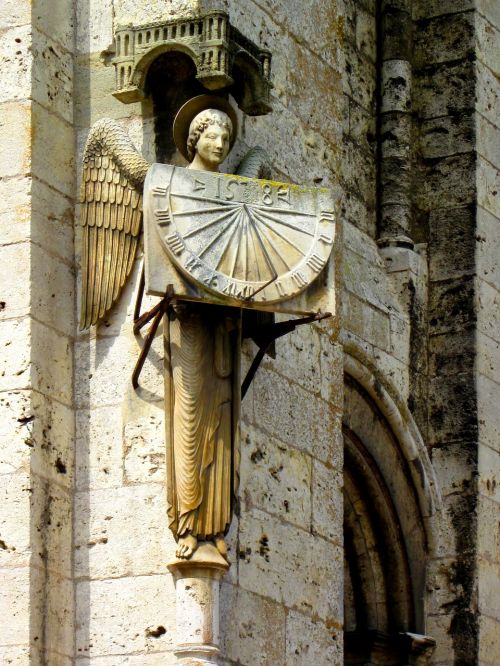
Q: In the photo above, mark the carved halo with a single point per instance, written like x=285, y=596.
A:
x=191, y=109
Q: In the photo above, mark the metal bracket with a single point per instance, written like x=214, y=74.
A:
x=265, y=335
x=156, y=313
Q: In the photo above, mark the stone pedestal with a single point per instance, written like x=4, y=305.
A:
x=197, y=583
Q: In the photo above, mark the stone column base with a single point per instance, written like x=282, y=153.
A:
x=197, y=605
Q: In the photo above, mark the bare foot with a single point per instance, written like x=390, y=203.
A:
x=186, y=546
x=220, y=544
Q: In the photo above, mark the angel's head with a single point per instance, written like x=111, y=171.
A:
x=210, y=138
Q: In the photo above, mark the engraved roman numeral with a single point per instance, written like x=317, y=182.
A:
x=237, y=291
x=324, y=238
x=163, y=217
x=160, y=191
x=315, y=262
x=327, y=216
x=192, y=263
x=174, y=242
x=280, y=289
x=299, y=279
x=211, y=280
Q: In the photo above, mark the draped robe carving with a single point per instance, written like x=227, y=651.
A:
x=202, y=358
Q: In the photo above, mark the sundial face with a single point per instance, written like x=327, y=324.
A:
x=247, y=240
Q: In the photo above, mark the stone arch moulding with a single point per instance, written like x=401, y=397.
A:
x=392, y=515
x=407, y=434
x=216, y=48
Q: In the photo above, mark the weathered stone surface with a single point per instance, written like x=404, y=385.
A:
x=15, y=605
x=311, y=642
x=15, y=63
x=15, y=134
x=327, y=501
x=306, y=424
x=444, y=38
x=489, y=312
x=428, y=8
x=101, y=551
x=487, y=35
x=445, y=89
x=98, y=448
x=488, y=416
x=52, y=76
x=488, y=180
x=52, y=363
x=253, y=630
x=275, y=478
x=490, y=10
x=451, y=228
x=489, y=643
x=144, y=447
x=50, y=130
x=104, y=629
x=304, y=580
x=155, y=659
x=450, y=305
x=446, y=136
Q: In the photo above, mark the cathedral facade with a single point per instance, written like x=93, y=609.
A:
x=366, y=526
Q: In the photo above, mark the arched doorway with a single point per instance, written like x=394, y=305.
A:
x=389, y=498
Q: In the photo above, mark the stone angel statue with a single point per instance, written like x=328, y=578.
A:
x=111, y=197
x=202, y=341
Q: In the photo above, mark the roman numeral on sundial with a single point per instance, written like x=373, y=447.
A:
x=315, y=262
x=299, y=279
x=160, y=191
x=163, y=217
x=174, y=242
x=325, y=239
x=327, y=215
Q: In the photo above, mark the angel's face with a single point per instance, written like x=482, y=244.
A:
x=213, y=144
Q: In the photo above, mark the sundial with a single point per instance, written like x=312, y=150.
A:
x=236, y=239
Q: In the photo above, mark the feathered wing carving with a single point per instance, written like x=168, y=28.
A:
x=111, y=216
x=255, y=164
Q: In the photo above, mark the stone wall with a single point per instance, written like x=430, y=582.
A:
x=84, y=541
x=487, y=301
x=284, y=585
x=37, y=329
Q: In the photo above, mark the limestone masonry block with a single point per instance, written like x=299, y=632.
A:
x=127, y=615
x=487, y=35
x=144, y=447
x=327, y=509
x=253, y=628
x=15, y=361
x=488, y=186
x=16, y=63
x=275, y=478
x=52, y=363
x=284, y=410
x=52, y=84
x=309, y=642
x=50, y=130
x=15, y=605
x=290, y=566
x=56, y=20
x=15, y=138
x=104, y=516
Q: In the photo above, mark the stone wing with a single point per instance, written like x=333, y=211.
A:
x=111, y=216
